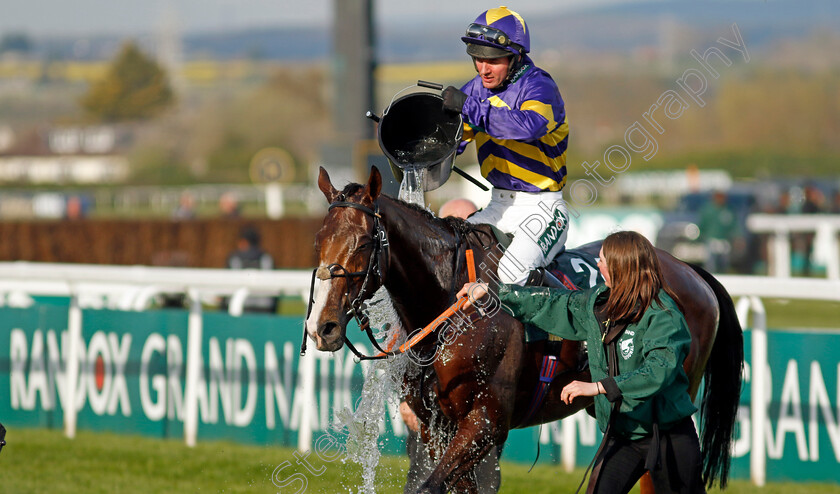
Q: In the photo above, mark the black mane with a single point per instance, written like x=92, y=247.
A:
x=453, y=223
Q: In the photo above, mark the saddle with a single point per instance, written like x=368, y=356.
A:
x=571, y=270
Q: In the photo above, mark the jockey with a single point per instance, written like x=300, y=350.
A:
x=516, y=116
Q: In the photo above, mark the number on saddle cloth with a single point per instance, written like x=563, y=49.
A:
x=576, y=270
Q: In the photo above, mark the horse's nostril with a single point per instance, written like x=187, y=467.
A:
x=327, y=329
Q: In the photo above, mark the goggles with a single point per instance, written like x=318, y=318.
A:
x=477, y=31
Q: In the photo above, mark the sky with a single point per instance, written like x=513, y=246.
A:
x=90, y=17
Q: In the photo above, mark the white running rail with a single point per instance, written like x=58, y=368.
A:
x=133, y=287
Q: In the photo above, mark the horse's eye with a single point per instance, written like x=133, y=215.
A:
x=363, y=247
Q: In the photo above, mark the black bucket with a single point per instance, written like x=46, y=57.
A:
x=416, y=131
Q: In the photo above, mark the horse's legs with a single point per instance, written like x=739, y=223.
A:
x=485, y=478
x=421, y=462
x=483, y=417
x=466, y=485
x=475, y=437
x=435, y=433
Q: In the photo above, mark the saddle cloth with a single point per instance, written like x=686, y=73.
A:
x=576, y=269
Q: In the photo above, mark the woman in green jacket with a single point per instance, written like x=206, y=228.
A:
x=642, y=406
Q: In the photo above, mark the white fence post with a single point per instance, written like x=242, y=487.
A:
x=71, y=373
x=306, y=367
x=832, y=267
x=758, y=397
x=236, y=303
x=781, y=254
x=568, y=455
x=742, y=309
x=194, y=369
x=780, y=226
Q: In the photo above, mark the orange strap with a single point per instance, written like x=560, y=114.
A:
x=439, y=319
x=470, y=265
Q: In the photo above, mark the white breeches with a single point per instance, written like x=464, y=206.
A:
x=539, y=223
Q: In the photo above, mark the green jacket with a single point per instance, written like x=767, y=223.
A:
x=651, y=353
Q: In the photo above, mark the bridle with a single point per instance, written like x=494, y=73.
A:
x=376, y=267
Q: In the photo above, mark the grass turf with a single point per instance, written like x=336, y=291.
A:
x=812, y=314
x=39, y=460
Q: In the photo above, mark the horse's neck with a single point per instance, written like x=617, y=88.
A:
x=422, y=254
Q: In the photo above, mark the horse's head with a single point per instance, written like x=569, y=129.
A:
x=351, y=258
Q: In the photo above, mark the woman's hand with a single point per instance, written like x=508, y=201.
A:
x=473, y=291
x=579, y=388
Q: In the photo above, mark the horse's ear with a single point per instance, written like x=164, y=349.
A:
x=374, y=185
x=326, y=185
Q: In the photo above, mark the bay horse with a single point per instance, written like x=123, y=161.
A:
x=481, y=382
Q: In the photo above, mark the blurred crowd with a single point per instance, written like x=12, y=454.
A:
x=731, y=247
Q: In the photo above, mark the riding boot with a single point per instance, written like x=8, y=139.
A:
x=544, y=277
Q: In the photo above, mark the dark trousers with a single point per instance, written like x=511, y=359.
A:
x=622, y=463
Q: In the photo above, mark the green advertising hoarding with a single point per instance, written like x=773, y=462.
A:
x=132, y=380
x=803, y=433
x=132, y=376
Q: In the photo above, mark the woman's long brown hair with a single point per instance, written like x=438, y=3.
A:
x=635, y=276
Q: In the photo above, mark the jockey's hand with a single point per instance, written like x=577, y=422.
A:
x=472, y=291
x=579, y=388
x=453, y=99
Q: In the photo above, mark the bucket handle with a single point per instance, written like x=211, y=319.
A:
x=420, y=83
x=385, y=111
x=430, y=85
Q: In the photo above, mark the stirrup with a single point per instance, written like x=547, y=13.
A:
x=543, y=277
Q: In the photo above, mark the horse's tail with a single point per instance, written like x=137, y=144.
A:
x=722, y=392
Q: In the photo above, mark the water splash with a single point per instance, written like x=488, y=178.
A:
x=411, y=187
x=383, y=383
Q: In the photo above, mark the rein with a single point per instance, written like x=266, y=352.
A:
x=454, y=308
x=381, y=246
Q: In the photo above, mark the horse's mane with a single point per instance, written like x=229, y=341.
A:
x=450, y=222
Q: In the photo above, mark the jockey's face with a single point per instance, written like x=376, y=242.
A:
x=493, y=71
x=602, y=266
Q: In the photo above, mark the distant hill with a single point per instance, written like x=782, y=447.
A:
x=619, y=28
x=273, y=44
x=626, y=27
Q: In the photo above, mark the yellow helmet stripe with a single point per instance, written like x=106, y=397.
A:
x=494, y=15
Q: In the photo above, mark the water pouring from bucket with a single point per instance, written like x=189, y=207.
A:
x=420, y=140
x=382, y=388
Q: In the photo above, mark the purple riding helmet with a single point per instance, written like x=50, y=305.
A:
x=497, y=33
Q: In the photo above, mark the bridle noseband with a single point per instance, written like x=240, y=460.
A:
x=377, y=266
